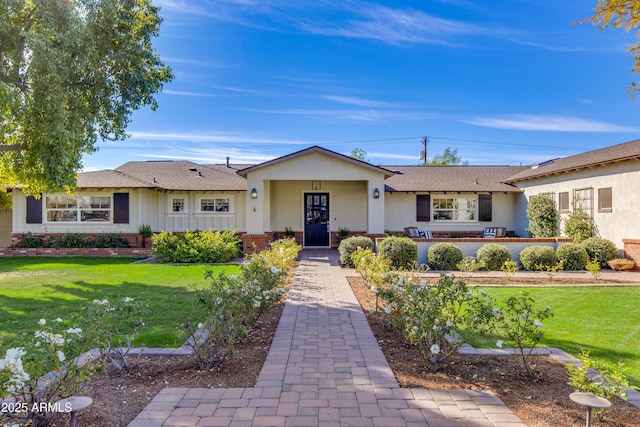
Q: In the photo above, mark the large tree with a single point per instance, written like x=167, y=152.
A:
x=71, y=72
x=623, y=14
x=448, y=157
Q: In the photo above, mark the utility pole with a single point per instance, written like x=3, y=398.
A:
x=423, y=153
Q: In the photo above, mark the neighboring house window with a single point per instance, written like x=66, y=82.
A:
x=454, y=208
x=63, y=208
x=177, y=205
x=583, y=198
x=563, y=202
x=215, y=204
x=605, y=200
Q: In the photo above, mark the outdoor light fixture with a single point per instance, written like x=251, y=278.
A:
x=376, y=194
x=254, y=194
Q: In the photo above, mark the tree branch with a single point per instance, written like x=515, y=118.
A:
x=12, y=147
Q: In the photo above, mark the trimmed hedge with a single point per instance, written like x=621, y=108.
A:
x=402, y=251
x=196, y=246
x=602, y=249
x=444, y=256
x=573, y=256
x=350, y=245
x=493, y=256
x=538, y=258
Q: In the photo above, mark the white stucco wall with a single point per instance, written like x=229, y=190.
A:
x=276, y=207
x=192, y=219
x=624, y=180
x=400, y=212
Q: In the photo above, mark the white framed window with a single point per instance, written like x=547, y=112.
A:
x=178, y=205
x=458, y=208
x=215, y=204
x=85, y=208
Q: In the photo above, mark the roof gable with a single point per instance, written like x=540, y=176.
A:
x=312, y=150
x=604, y=156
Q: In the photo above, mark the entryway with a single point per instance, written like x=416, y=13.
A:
x=316, y=214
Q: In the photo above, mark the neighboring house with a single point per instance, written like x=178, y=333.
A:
x=317, y=191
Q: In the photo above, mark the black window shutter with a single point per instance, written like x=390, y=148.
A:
x=34, y=210
x=484, y=207
x=121, y=208
x=423, y=207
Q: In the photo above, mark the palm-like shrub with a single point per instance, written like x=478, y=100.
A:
x=402, y=251
x=493, y=256
x=444, y=256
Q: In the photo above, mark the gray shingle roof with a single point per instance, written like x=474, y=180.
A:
x=452, y=178
x=109, y=178
x=616, y=153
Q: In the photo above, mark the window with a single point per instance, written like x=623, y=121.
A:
x=64, y=208
x=583, y=199
x=605, y=200
x=177, y=205
x=215, y=204
x=454, y=208
x=563, y=202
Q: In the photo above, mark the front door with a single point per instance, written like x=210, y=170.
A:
x=316, y=227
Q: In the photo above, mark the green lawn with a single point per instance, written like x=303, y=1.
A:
x=35, y=288
x=602, y=320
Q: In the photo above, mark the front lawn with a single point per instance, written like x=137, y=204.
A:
x=35, y=288
x=601, y=320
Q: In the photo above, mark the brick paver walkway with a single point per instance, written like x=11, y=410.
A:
x=324, y=368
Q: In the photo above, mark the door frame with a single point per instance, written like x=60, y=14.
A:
x=304, y=217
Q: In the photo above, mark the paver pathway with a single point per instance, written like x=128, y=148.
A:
x=324, y=368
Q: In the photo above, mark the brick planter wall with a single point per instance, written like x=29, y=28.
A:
x=252, y=243
x=632, y=249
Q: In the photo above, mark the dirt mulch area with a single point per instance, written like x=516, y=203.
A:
x=540, y=402
x=119, y=397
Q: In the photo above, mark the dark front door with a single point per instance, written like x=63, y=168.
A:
x=316, y=227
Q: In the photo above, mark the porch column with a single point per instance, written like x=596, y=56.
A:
x=375, y=206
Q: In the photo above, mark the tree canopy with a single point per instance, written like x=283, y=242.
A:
x=71, y=71
x=448, y=157
x=623, y=14
x=360, y=154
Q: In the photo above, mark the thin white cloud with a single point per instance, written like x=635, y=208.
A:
x=361, y=102
x=547, y=123
x=213, y=137
x=364, y=115
x=392, y=156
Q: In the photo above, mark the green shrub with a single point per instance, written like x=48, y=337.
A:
x=70, y=240
x=351, y=244
x=601, y=249
x=402, y=251
x=444, y=256
x=542, y=216
x=493, y=256
x=573, y=256
x=538, y=258
x=29, y=241
x=109, y=241
x=579, y=225
x=196, y=247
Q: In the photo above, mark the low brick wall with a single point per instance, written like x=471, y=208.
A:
x=71, y=252
x=252, y=243
x=632, y=249
x=135, y=239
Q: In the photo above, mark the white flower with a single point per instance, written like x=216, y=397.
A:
x=42, y=322
x=127, y=299
x=282, y=290
x=58, y=320
x=387, y=309
x=60, y=355
x=496, y=312
x=435, y=349
x=200, y=326
x=499, y=343
x=537, y=323
x=449, y=323
x=524, y=315
x=74, y=331
x=483, y=293
x=256, y=303
x=275, y=270
x=103, y=302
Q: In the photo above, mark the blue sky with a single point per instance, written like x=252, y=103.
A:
x=503, y=82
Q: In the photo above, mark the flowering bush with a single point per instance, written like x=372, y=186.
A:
x=43, y=370
x=112, y=328
x=233, y=303
x=375, y=270
x=436, y=317
x=521, y=323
